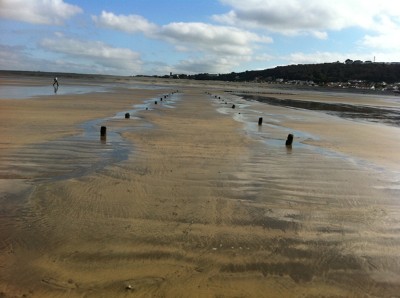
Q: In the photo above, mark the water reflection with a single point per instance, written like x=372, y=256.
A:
x=77, y=155
x=390, y=116
x=21, y=92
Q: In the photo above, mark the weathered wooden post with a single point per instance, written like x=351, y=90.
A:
x=289, y=140
x=103, y=131
x=260, y=121
x=127, y=115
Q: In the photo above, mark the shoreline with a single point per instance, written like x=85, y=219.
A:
x=203, y=205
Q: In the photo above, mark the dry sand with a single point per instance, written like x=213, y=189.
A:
x=203, y=205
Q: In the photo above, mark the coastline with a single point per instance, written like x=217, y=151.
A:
x=202, y=205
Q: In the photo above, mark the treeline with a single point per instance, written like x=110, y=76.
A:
x=318, y=73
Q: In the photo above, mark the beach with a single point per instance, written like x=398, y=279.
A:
x=190, y=197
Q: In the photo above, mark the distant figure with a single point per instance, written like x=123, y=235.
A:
x=55, y=81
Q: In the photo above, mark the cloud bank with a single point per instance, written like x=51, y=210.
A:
x=313, y=17
x=95, y=54
x=213, y=43
x=251, y=34
x=44, y=12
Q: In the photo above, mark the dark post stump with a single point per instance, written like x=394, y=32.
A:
x=289, y=140
x=233, y=106
x=103, y=131
x=260, y=121
x=127, y=115
x=155, y=102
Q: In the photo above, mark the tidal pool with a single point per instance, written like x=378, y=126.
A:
x=22, y=92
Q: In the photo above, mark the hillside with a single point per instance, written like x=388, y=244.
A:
x=318, y=73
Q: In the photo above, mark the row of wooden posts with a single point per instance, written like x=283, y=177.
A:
x=103, y=129
x=289, y=139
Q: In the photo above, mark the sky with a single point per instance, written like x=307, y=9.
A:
x=157, y=37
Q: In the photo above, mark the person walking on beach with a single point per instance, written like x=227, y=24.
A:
x=55, y=81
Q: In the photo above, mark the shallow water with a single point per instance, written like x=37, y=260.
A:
x=389, y=116
x=79, y=155
x=22, y=92
x=338, y=207
x=273, y=134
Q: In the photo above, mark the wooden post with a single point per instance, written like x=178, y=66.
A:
x=103, y=131
x=233, y=106
x=155, y=102
x=260, y=121
x=289, y=140
x=127, y=115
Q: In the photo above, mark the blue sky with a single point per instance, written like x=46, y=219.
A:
x=149, y=37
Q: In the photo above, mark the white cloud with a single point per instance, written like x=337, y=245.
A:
x=129, y=23
x=329, y=57
x=20, y=58
x=385, y=37
x=317, y=57
x=384, y=41
x=315, y=17
x=100, y=56
x=210, y=38
x=186, y=36
x=319, y=34
x=47, y=12
x=209, y=64
x=14, y=58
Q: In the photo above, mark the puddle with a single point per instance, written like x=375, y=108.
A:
x=293, y=173
x=358, y=112
x=23, y=92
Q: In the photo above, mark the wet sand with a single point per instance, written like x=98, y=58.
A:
x=205, y=203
